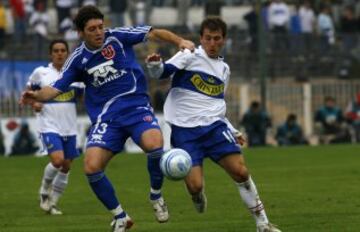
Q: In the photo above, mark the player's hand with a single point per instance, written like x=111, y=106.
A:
x=187, y=44
x=27, y=98
x=37, y=106
x=155, y=57
x=240, y=138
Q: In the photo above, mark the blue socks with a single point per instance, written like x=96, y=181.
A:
x=156, y=176
x=103, y=189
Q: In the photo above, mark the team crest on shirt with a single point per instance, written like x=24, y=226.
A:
x=148, y=118
x=108, y=52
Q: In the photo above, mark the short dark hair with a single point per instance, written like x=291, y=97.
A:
x=213, y=23
x=85, y=14
x=55, y=41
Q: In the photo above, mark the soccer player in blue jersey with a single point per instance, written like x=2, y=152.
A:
x=117, y=102
x=57, y=127
x=195, y=108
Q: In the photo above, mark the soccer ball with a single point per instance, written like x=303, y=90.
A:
x=175, y=164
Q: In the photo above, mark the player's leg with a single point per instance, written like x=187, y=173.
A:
x=234, y=164
x=52, y=143
x=104, y=141
x=151, y=141
x=195, y=185
x=62, y=178
x=191, y=140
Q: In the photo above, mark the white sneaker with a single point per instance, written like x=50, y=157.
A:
x=121, y=224
x=161, y=210
x=200, y=202
x=55, y=210
x=267, y=228
x=44, y=202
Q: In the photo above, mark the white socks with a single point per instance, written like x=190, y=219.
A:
x=249, y=195
x=58, y=186
x=55, y=179
x=49, y=174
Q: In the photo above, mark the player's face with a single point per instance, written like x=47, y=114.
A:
x=58, y=54
x=212, y=42
x=93, y=33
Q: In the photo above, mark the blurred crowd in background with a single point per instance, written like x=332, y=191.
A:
x=304, y=41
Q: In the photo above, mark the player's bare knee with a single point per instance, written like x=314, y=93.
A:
x=57, y=162
x=194, y=187
x=240, y=174
x=91, y=167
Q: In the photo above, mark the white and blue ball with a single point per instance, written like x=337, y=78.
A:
x=175, y=164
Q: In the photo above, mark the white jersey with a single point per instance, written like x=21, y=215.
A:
x=57, y=115
x=196, y=97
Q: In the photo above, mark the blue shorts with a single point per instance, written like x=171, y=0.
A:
x=112, y=135
x=214, y=141
x=54, y=142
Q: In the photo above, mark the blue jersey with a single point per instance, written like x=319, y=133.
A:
x=113, y=78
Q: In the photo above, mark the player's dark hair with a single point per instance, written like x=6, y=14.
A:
x=55, y=41
x=213, y=23
x=85, y=14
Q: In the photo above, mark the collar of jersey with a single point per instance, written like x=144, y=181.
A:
x=202, y=52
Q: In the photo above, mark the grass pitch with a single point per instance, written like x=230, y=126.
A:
x=303, y=189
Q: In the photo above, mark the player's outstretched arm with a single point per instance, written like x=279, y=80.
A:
x=168, y=36
x=29, y=97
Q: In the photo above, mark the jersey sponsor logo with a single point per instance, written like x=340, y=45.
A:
x=65, y=97
x=207, y=88
x=104, y=73
x=108, y=52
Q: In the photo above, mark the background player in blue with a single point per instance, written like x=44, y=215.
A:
x=56, y=121
x=116, y=101
x=195, y=108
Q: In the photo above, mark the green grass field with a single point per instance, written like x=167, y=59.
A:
x=303, y=189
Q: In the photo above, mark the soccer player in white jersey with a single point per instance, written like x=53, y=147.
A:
x=117, y=103
x=57, y=127
x=195, y=108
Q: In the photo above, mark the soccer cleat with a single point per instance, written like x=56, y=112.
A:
x=55, y=210
x=200, y=202
x=44, y=202
x=121, y=224
x=267, y=228
x=161, y=210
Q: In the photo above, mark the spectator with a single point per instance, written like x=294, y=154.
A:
x=326, y=30
x=295, y=32
x=63, y=8
x=307, y=21
x=183, y=7
x=117, y=12
x=2, y=28
x=279, y=17
x=24, y=141
x=330, y=123
x=353, y=116
x=19, y=18
x=256, y=122
x=252, y=21
x=39, y=21
x=70, y=34
x=290, y=133
x=140, y=11
x=213, y=7
x=348, y=28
